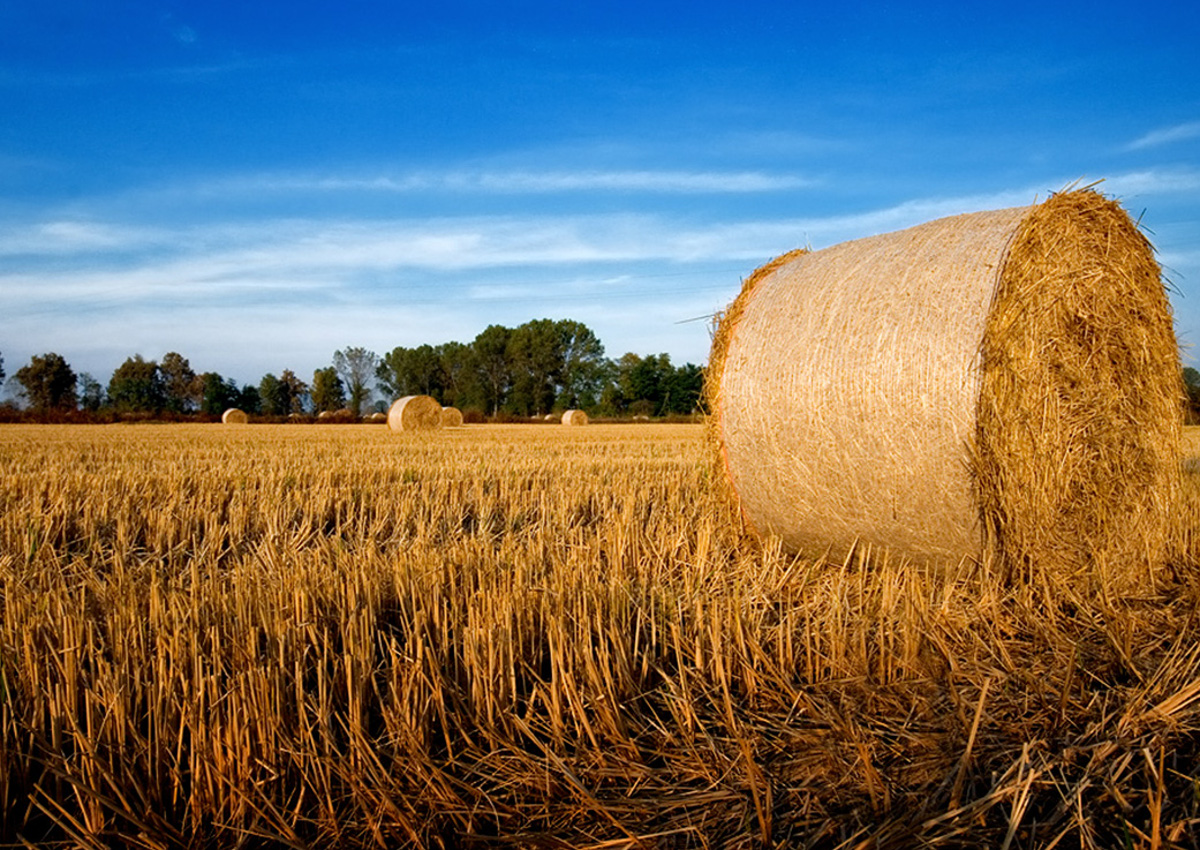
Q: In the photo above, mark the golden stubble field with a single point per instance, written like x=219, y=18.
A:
x=540, y=636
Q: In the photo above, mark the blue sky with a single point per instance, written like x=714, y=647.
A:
x=256, y=185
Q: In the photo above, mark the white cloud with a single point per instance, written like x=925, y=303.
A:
x=1153, y=182
x=1166, y=136
x=518, y=182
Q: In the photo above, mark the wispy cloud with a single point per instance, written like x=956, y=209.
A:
x=525, y=182
x=1166, y=136
x=1155, y=181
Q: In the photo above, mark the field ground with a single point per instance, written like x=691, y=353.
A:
x=513, y=636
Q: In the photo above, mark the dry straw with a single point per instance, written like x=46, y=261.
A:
x=1000, y=384
x=415, y=413
x=451, y=417
x=233, y=416
x=574, y=417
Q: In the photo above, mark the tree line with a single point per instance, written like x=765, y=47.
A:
x=533, y=369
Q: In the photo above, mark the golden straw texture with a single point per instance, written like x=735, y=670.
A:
x=574, y=417
x=1080, y=410
x=895, y=390
x=233, y=416
x=415, y=413
x=451, y=417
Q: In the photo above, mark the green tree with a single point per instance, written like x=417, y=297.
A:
x=356, y=367
x=248, y=399
x=91, y=393
x=535, y=356
x=274, y=396
x=49, y=382
x=180, y=387
x=456, y=362
x=1191, y=386
x=217, y=394
x=327, y=390
x=684, y=389
x=584, y=370
x=137, y=385
x=492, y=369
x=296, y=391
x=1, y=369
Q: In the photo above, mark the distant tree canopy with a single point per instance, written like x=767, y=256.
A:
x=182, y=392
x=217, y=394
x=1, y=368
x=356, y=367
x=137, y=385
x=1191, y=385
x=327, y=390
x=48, y=382
x=539, y=367
x=532, y=369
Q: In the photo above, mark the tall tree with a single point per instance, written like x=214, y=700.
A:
x=137, y=385
x=327, y=390
x=492, y=368
x=179, y=383
x=356, y=366
x=248, y=399
x=48, y=381
x=584, y=367
x=273, y=395
x=91, y=393
x=1, y=369
x=535, y=354
x=456, y=361
x=296, y=391
x=217, y=394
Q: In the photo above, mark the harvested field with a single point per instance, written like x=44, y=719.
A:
x=516, y=636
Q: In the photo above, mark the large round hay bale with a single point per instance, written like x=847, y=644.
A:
x=574, y=417
x=451, y=417
x=999, y=384
x=233, y=416
x=415, y=413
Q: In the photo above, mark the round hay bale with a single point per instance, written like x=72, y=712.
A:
x=549, y=417
x=233, y=416
x=377, y=416
x=451, y=417
x=574, y=417
x=1001, y=384
x=415, y=413
x=325, y=414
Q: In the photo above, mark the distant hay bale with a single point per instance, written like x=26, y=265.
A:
x=549, y=417
x=451, y=417
x=574, y=417
x=233, y=416
x=415, y=413
x=377, y=416
x=1000, y=384
x=325, y=414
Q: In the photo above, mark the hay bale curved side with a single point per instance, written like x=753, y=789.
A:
x=415, y=413
x=849, y=398
x=451, y=417
x=574, y=417
x=233, y=416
